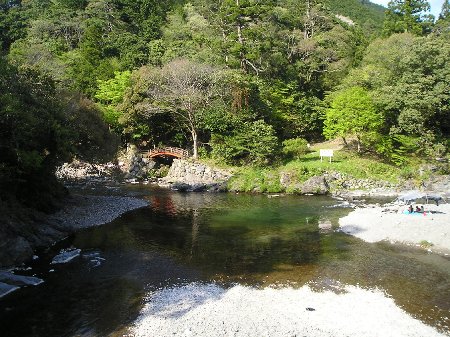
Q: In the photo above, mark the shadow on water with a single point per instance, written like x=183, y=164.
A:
x=226, y=238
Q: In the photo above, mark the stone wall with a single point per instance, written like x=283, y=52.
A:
x=192, y=176
x=333, y=182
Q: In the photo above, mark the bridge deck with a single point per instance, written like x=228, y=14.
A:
x=166, y=151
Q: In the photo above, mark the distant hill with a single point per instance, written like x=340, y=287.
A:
x=368, y=15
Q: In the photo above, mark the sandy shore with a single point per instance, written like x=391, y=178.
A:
x=373, y=224
x=210, y=310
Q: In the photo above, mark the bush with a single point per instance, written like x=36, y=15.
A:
x=252, y=143
x=295, y=148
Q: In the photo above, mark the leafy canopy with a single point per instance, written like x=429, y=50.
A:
x=352, y=113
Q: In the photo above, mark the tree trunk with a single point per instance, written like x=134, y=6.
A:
x=309, y=24
x=195, y=144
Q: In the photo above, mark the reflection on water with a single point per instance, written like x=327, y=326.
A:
x=227, y=238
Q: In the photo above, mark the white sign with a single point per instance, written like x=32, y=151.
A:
x=326, y=153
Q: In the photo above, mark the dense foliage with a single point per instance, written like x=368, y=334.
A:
x=40, y=128
x=242, y=81
x=32, y=136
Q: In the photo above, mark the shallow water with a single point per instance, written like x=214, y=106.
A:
x=227, y=238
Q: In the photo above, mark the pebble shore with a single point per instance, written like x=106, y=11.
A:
x=389, y=223
x=88, y=211
x=210, y=310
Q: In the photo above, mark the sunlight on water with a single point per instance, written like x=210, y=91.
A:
x=252, y=240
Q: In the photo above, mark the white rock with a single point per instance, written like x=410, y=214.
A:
x=6, y=289
x=66, y=255
x=19, y=279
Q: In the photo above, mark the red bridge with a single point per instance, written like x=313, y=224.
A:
x=166, y=151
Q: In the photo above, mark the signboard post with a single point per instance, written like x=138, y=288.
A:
x=326, y=153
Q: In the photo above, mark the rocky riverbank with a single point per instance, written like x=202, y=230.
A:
x=24, y=232
x=193, y=176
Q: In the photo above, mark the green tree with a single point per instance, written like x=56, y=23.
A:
x=88, y=63
x=442, y=25
x=13, y=23
x=445, y=10
x=110, y=94
x=407, y=16
x=408, y=80
x=183, y=90
x=352, y=113
x=249, y=143
x=34, y=138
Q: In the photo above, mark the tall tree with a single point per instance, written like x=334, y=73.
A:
x=243, y=34
x=110, y=94
x=408, y=79
x=442, y=25
x=182, y=89
x=445, y=10
x=33, y=133
x=352, y=113
x=407, y=16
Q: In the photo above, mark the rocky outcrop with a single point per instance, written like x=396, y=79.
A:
x=139, y=168
x=14, y=249
x=185, y=175
x=341, y=181
x=134, y=166
x=336, y=183
x=289, y=181
x=130, y=165
x=79, y=170
x=315, y=185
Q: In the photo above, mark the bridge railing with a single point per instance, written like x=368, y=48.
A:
x=168, y=150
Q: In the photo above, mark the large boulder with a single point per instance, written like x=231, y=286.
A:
x=290, y=182
x=15, y=250
x=186, y=175
x=315, y=185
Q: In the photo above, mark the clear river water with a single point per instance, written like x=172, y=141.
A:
x=256, y=240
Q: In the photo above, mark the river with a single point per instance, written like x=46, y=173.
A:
x=254, y=240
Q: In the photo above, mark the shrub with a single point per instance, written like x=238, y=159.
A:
x=295, y=148
x=252, y=143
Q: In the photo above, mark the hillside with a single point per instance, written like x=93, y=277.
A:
x=368, y=15
x=246, y=83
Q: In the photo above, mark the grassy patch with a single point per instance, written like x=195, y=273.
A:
x=350, y=164
x=267, y=179
x=251, y=179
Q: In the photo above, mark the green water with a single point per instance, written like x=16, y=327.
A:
x=250, y=239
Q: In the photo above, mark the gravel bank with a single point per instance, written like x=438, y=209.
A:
x=22, y=234
x=209, y=310
x=389, y=223
x=89, y=211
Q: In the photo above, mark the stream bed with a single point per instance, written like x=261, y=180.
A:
x=225, y=239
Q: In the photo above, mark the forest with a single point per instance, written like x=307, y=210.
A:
x=244, y=82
